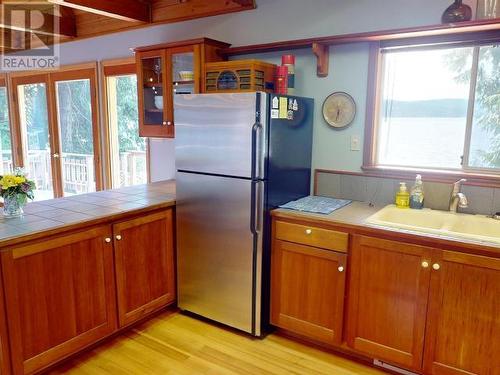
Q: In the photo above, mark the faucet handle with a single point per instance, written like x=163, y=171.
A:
x=456, y=185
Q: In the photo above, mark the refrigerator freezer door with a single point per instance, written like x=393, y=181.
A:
x=213, y=133
x=217, y=254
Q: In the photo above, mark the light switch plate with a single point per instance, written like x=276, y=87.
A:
x=355, y=144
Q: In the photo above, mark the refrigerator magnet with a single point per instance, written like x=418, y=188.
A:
x=275, y=102
x=275, y=113
x=283, y=107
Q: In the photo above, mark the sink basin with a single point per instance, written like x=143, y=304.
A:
x=474, y=227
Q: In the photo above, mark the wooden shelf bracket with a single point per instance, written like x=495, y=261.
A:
x=322, y=52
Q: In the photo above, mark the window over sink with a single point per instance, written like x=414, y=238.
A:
x=438, y=108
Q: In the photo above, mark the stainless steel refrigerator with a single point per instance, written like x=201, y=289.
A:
x=237, y=157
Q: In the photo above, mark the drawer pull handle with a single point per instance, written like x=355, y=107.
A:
x=107, y=240
x=309, y=231
x=118, y=237
x=425, y=264
x=436, y=266
x=341, y=269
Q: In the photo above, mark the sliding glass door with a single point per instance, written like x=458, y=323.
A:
x=57, y=121
x=75, y=125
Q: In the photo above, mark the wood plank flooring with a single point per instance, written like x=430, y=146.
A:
x=174, y=343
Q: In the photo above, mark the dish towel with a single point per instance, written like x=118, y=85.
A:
x=316, y=204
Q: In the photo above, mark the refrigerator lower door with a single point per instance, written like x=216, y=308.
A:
x=218, y=253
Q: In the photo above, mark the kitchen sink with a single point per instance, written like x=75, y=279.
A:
x=474, y=227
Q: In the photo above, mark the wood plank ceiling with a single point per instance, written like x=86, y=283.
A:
x=79, y=19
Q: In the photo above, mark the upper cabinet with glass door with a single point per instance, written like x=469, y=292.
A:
x=165, y=70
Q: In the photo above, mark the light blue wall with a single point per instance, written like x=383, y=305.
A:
x=275, y=20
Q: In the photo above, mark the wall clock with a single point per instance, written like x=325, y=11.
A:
x=339, y=110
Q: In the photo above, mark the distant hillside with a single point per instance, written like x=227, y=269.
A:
x=427, y=108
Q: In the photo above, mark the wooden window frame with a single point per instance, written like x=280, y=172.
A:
x=4, y=82
x=110, y=68
x=370, y=167
x=49, y=77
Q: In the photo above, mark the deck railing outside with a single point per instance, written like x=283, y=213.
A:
x=77, y=170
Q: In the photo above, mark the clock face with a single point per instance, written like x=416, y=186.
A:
x=339, y=110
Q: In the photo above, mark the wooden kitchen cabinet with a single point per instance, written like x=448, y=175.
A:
x=144, y=256
x=307, y=291
x=161, y=74
x=60, y=296
x=463, y=321
x=387, y=300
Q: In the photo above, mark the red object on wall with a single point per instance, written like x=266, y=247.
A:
x=281, y=86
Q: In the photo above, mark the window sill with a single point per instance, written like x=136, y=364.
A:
x=443, y=176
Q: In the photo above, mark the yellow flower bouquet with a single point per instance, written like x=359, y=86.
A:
x=15, y=190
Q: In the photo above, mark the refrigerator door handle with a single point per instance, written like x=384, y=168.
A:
x=256, y=150
x=256, y=207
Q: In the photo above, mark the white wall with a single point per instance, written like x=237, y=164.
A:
x=275, y=20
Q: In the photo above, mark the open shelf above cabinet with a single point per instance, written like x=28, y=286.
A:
x=455, y=32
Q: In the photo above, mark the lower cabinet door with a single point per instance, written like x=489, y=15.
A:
x=387, y=300
x=144, y=257
x=307, y=291
x=463, y=328
x=59, y=296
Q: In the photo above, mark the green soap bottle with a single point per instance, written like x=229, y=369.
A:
x=402, y=196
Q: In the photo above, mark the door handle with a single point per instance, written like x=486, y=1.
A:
x=256, y=202
x=255, y=144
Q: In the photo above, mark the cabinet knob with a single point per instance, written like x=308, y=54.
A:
x=56, y=155
x=436, y=266
x=107, y=239
x=164, y=123
x=118, y=237
x=309, y=231
x=169, y=123
x=425, y=264
x=341, y=268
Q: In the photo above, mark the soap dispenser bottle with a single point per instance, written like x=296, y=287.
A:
x=417, y=194
x=402, y=196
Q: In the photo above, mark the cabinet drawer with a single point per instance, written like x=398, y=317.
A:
x=313, y=236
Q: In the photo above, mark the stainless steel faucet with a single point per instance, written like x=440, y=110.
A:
x=458, y=199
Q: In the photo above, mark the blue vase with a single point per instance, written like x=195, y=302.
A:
x=12, y=206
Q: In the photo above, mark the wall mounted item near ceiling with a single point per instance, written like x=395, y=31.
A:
x=488, y=9
x=457, y=12
x=339, y=110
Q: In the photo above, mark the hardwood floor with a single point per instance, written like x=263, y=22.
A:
x=173, y=343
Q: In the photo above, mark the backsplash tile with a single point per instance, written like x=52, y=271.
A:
x=328, y=185
x=496, y=201
x=353, y=187
x=381, y=192
x=437, y=195
x=480, y=200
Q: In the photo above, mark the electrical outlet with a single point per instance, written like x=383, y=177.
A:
x=355, y=144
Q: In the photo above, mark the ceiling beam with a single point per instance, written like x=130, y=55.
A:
x=53, y=25
x=125, y=10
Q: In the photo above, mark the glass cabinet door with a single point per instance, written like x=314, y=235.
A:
x=152, y=81
x=183, y=78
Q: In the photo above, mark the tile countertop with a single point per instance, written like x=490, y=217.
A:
x=353, y=217
x=60, y=214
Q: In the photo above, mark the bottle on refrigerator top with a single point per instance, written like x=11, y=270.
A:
x=402, y=196
x=289, y=62
x=281, y=86
x=417, y=194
